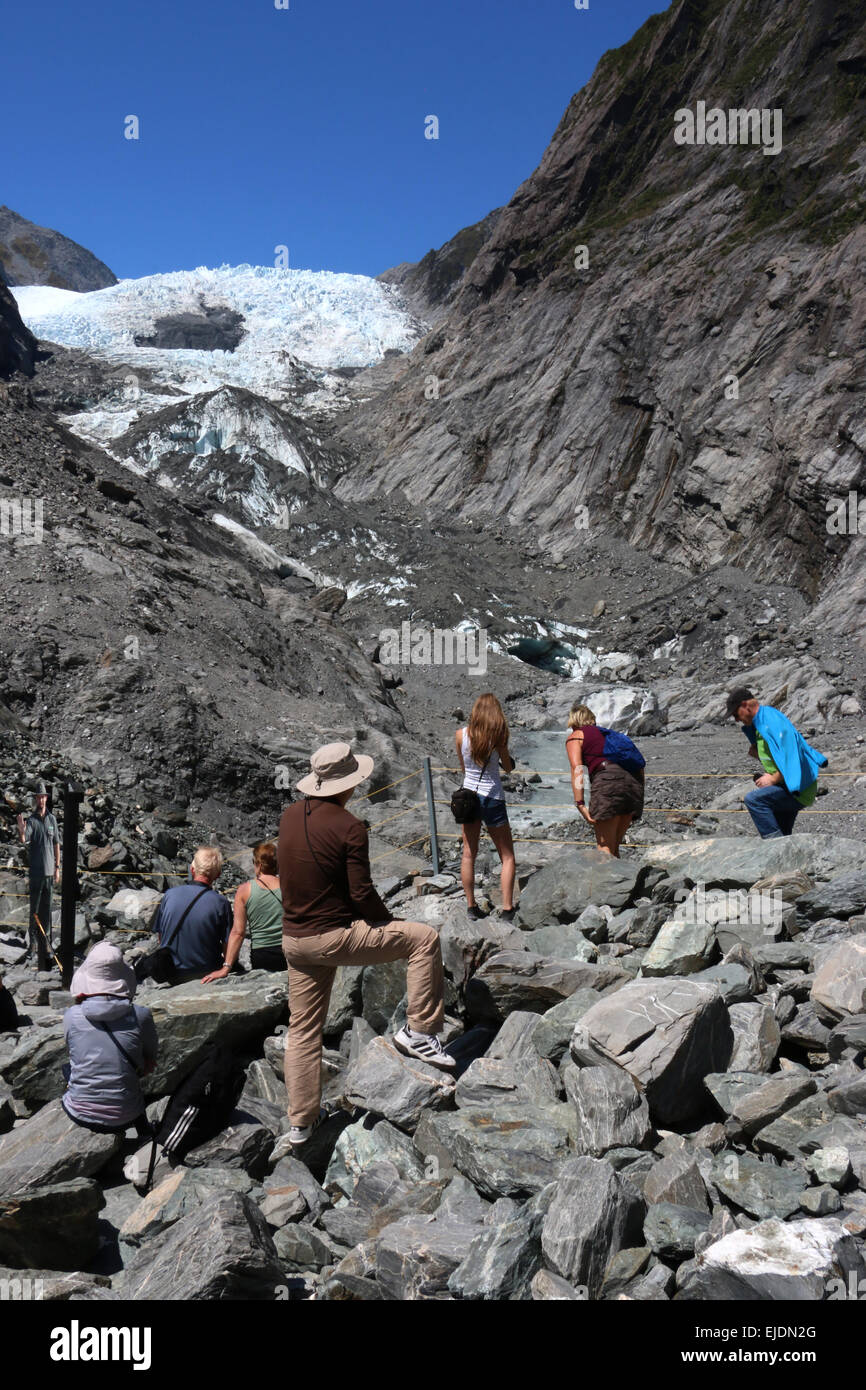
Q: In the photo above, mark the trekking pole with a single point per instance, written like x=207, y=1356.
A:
x=431, y=812
x=72, y=796
x=47, y=942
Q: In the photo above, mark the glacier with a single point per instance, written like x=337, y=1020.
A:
x=322, y=320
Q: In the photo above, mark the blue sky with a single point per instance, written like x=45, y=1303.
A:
x=301, y=127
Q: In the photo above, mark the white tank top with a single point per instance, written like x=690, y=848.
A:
x=489, y=784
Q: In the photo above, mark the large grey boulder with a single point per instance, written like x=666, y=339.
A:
x=57, y=1285
x=178, y=1194
x=239, y=1011
x=740, y=861
x=667, y=1033
x=840, y=983
x=364, y=1143
x=547, y=1287
x=302, y=1247
x=593, y=1213
x=562, y=940
x=760, y=1188
x=223, y=1250
x=415, y=1257
x=849, y=1097
x=263, y=1084
x=514, y=1038
x=843, y=897
x=35, y=1070
x=551, y=1034
x=848, y=1033
x=245, y=1143
x=798, y=1131
x=521, y=980
x=54, y=1227
x=398, y=1088
x=806, y=1261
x=677, y=1178
x=757, y=1036
x=765, y=1104
x=380, y=1198
x=560, y=891
x=510, y=1151
x=611, y=1110
x=345, y=1001
x=490, y=1081
x=466, y=945
x=49, y=1149
x=504, y=1257
x=680, y=948
x=382, y=988
x=670, y=1231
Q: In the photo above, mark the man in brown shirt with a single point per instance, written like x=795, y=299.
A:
x=332, y=916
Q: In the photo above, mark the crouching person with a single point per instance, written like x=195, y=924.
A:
x=332, y=916
x=112, y=1044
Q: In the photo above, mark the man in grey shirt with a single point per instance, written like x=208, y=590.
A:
x=40, y=833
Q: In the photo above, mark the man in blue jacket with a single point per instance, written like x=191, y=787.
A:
x=194, y=920
x=790, y=777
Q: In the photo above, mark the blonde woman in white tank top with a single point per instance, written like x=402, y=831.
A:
x=482, y=749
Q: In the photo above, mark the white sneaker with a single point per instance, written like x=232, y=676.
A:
x=299, y=1134
x=424, y=1047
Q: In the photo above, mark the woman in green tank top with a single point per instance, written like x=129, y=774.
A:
x=259, y=907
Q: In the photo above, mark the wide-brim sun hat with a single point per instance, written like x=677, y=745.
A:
x=104, y=972
x=335, y=768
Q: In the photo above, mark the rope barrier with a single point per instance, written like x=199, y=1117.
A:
x=559, y=773
x=564, y=772
x=397, y=848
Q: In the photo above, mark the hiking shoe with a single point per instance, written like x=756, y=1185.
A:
x=424, y=1047
x=507, y=915
x=300, y=1134
x=475, y=914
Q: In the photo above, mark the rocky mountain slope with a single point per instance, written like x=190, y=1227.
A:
x=430, y=285
x=697, y=386
x=17, y=343
x=32, y=255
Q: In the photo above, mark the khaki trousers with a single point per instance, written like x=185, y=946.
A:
x=313, y=961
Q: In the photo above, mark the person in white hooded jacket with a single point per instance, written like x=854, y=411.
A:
x=112, y=1044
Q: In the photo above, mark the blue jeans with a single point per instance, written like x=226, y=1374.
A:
x=773, y=809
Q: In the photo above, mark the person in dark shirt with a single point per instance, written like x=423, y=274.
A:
x=199, y=946
x=332, y=916
x=41, y=835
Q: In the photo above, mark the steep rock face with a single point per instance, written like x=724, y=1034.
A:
x=17, y=344
x=33, y=255
x=430, y=285
x=606, y=386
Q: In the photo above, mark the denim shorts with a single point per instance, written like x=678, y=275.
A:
x=493, y=811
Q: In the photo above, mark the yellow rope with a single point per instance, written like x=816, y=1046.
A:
x=397, y=848
x=377, y=790
x=564, y=772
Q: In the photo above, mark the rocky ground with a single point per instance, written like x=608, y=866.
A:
x=660, y=1095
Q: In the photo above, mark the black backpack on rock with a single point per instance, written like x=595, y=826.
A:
x=202, y=1105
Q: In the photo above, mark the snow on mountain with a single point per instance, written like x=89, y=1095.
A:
x=326, y=320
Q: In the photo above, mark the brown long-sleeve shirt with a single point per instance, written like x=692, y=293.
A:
x=338, y=889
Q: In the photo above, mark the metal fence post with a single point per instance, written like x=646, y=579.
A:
x=431, y=814
x=72, y=795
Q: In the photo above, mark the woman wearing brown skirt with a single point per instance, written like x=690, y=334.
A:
x=617, y=794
